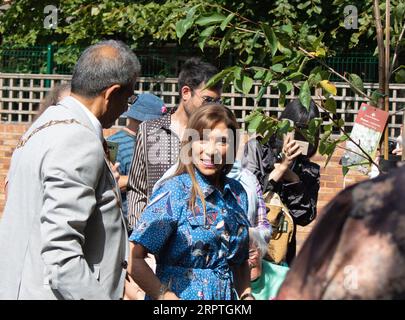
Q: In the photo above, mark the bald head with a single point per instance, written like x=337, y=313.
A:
x=103, y=65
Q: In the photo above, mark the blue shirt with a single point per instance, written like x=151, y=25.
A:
x=126, y=147
x=194, y=256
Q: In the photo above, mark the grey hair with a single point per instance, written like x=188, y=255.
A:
x=96, y=70
x=256, y=238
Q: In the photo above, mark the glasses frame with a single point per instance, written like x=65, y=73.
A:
x=208, y=99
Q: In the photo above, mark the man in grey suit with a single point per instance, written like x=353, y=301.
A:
x=62, y=235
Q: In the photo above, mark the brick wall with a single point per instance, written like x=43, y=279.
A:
x=331, y=177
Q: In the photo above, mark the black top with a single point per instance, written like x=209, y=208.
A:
x=299, y=197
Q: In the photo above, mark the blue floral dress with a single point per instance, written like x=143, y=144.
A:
x=194, y=256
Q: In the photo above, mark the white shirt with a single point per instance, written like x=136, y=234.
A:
x=94, y=121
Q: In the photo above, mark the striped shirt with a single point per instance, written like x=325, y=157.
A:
x=126, y=144
x=157, y=149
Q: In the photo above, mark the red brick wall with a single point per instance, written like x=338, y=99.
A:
x=331, y=177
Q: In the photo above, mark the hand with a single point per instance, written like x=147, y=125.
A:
x=114, y=168
x=132, y=290
x=397, y=151
x=169, y=295
x=291, y=150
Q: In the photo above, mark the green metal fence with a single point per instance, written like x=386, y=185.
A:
x=42, y=60
x=364, y=65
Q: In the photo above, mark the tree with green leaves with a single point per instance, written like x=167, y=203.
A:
x=276, y=54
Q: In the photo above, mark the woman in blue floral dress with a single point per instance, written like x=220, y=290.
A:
x=196, y=223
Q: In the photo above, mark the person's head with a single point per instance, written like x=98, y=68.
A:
x=56, y=94
x=301, y=117
x=209, y=146
x=257, y=250
x=193, y=77
x=357, y=249
x=104, y=76
x=146, y=107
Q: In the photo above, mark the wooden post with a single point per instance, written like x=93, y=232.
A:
x=387, y=72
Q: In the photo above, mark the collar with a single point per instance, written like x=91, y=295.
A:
x=163, y=122
x=94, y=121
x=207, y=188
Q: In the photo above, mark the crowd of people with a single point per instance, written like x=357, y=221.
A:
x=190, y=208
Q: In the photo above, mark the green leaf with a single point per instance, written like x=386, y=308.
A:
x=314, y=125
x=226, y=21
x=255, y=122
x=356, y=81
x=322, y=147
x=225, y=40
x=340, y=123
x=252, y=115
x=281, y=100
x=305, y=95
x=247, y=84
x=277, y=68
x=314, y=79
x=327, y=127
x=345, y=170
x=261, y=93
x=95, y=11
x=283, y=127
x=288, y=29
x=376, y=95
x=330, y=105
x=270, y=37
x=238, y=85
x=213, y=80
x=204, y=36
x=278, y=59
x=295, y=76
x=285, y=87
x=259, y=73
x=303, y=5
x=182, y=26
x=330, y=149
x=343, y=138
x=400, y=76
x=212, y=19
x=237, y=73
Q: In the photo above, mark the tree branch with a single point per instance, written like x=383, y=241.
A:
x=396, y=52
x=335, y=73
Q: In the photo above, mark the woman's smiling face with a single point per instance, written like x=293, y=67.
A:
x=209, y=153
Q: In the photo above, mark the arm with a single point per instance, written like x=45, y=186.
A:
x=144, y=276
x=157, y=224
x=242, y=279
x=137, y=182
x=123, y=182
x=69, y=181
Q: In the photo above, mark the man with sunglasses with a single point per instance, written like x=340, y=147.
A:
x=158, y=141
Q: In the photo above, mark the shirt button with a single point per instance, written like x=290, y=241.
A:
x=124, y=264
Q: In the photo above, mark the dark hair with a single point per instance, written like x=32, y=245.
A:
x=296, y=112
x=207, y=117
x=52, y=98
x=195, y=72
x=99, y=67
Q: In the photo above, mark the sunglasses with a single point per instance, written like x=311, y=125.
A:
x=209, y=100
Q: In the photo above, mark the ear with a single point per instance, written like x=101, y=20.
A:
x=186, y=93
x=111, y=90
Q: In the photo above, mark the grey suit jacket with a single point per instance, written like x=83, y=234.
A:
x=62, y=234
